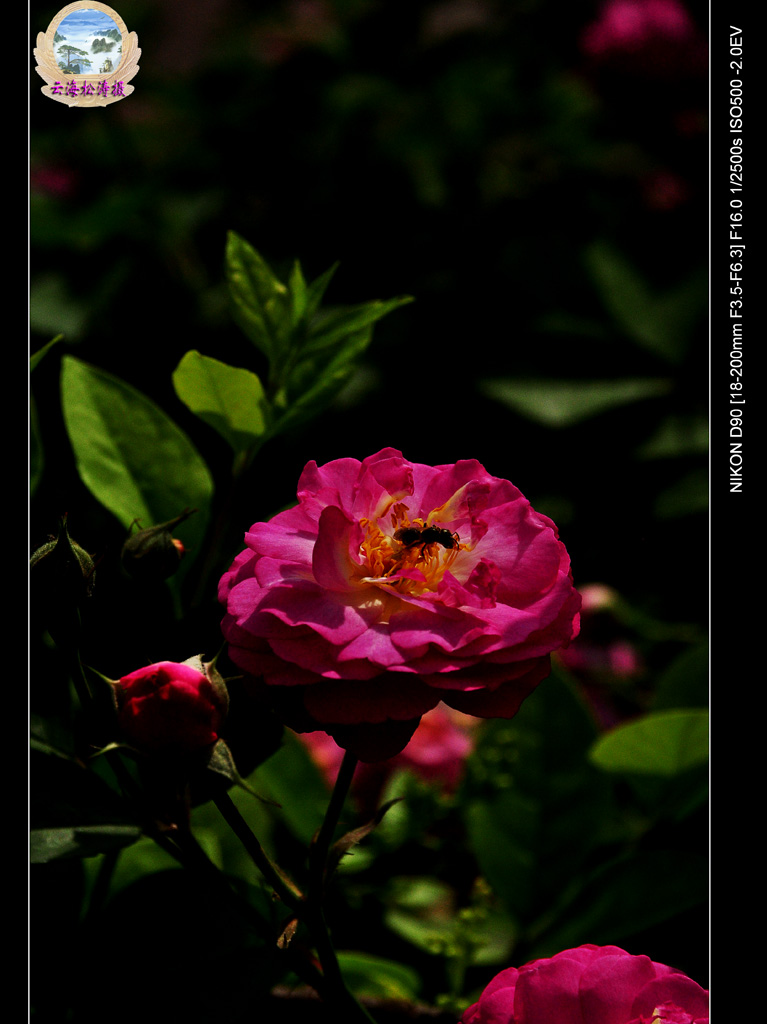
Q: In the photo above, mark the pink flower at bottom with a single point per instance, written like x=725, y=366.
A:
x=392, y=586
x=591, y=985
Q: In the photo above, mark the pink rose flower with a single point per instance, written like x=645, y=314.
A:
x=591, y=985
x=169, y=708
x=392, y=586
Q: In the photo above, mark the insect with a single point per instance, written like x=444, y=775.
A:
x=410, y=536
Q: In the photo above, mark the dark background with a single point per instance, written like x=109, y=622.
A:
x=470, y=154
x=466, y=154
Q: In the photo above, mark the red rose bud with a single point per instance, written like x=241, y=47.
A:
x=172, y=708
x=154, y=554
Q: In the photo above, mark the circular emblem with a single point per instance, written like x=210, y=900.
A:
x=87, y=56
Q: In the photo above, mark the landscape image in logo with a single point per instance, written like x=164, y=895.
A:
x=88, y=42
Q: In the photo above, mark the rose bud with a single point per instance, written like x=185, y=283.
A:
x=171, y=708
x=63, y=566
x=154, y=554
x=589, y=984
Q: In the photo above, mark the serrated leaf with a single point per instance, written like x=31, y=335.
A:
x=130, y=455
x=662, y=743
x=561, y=403
x=228, y=398
x=261, y=302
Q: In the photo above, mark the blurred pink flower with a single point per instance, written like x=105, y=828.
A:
x=646, y=37
x=664, y=190
x=602, y=657
x=633, y=24
x=53, y=180
x=437, y=752
x=591, y=985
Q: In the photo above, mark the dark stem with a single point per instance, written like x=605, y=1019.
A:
x=280, y=883
x=321, y=845
x=314, y=913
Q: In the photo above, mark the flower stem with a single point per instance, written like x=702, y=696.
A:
x=321, y=845
x=285, y=889
x=314, y=914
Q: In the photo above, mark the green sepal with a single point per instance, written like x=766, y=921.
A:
x=219, y=760
x=214, y=677
x=152, y=554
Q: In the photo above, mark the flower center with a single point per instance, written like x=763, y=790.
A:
x=410, y=555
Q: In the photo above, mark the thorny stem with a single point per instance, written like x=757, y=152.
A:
x=330, y=984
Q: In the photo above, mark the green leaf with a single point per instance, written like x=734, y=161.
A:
x=316, y=290
x=684, y=684
x=662, y=324
x=52, y=308
x=314, y=383
x=299, y=295
x=677, y=436
x=347, y=842
x=227, y=398
x=662, y=743
x=376, y=978
x=131, y=456
x=530, y=794
x=627, y=896
x=332, y=326
x=35, y=359
x=291, y=778
x=261, y=302
x=36, y=457
x=73, y=812
x=685, y=497
x=47, y=844
x=561, y=403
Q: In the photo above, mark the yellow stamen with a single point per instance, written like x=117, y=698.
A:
x=383, y=555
